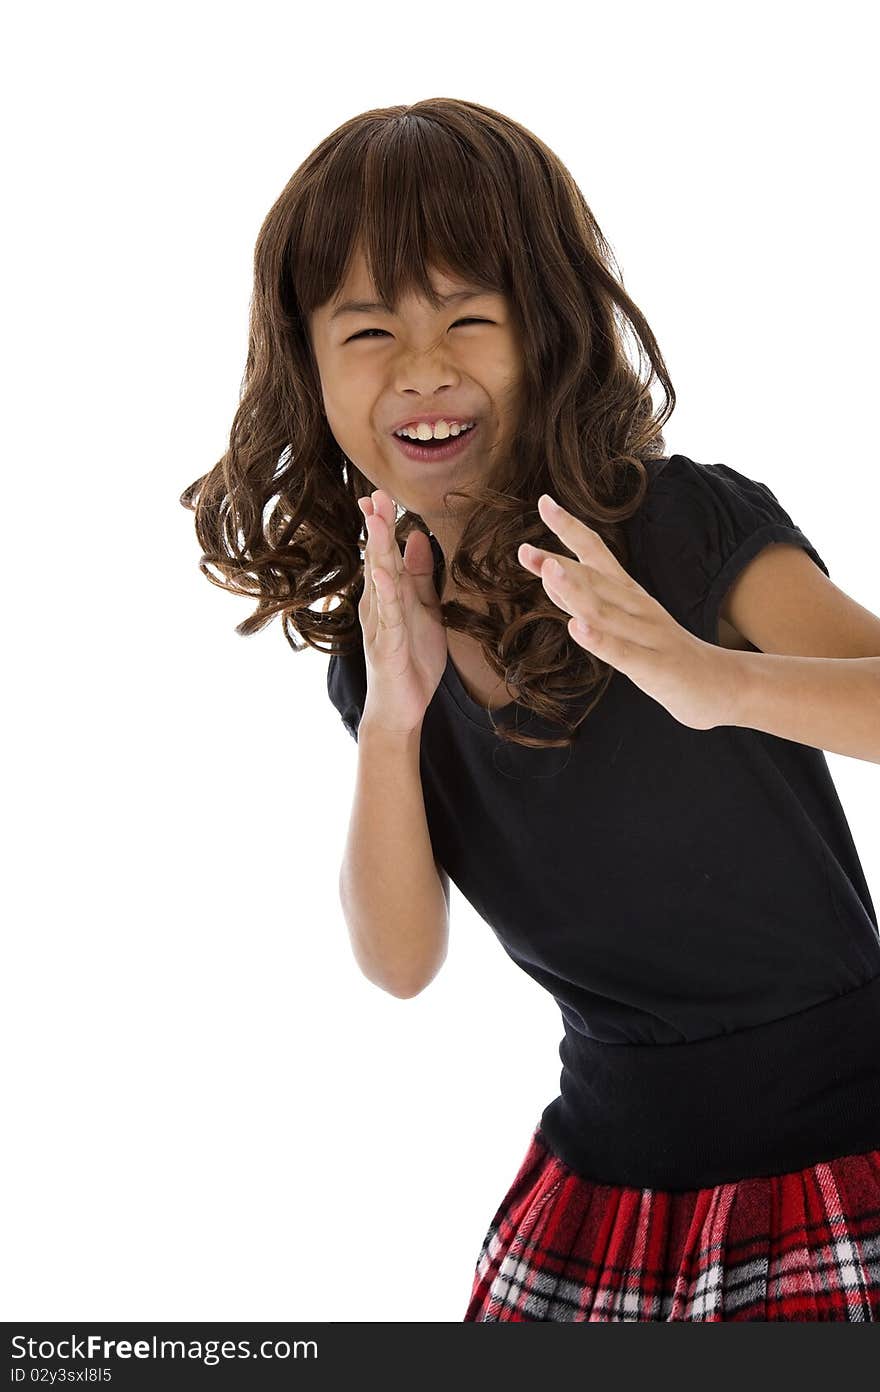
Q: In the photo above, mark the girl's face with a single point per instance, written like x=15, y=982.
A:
x=380, y=370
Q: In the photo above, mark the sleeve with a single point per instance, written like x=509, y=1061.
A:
x=347, y=687
x=706, y=522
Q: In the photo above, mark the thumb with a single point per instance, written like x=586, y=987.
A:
x=418, y=561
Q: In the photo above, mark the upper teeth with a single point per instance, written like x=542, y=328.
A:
x=439, y=431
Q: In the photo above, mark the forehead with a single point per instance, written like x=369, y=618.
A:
x=358, y=285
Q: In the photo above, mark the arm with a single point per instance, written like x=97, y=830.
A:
x=394, y=896
x=831, y=703
x=815, y=680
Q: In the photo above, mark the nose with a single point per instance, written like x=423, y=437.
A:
x=426, y=374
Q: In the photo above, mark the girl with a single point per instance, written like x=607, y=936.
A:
x=619, y=762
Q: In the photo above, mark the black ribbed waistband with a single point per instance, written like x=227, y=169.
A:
x=760, y=1101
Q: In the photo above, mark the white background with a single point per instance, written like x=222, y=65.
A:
x=212, y=1115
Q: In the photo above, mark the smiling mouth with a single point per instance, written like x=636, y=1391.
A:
x=422, y=450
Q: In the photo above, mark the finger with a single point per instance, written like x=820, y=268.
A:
x=418, y=564
x=586, y=543
x=622, y=627
x=386, y=550
x=368, y=598
x=617, y=652
x=384, y=505
x=580, y=577
x=389, y=613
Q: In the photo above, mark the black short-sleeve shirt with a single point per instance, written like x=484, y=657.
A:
x=668, y=886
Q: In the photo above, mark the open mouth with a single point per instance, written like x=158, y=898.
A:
x=436, y=449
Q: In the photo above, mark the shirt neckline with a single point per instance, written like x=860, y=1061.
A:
x=471, y=708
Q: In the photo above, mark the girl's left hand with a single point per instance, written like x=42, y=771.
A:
x=628, y=628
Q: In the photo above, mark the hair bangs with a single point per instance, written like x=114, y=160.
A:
x=415, y=197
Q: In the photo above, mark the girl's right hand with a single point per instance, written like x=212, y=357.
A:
x=399, y=612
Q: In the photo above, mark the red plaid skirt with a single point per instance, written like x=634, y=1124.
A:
x=798, y=1246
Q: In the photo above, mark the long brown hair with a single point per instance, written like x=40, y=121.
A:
x=450, y=184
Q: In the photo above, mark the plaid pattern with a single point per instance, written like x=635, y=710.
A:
x=797, y=1246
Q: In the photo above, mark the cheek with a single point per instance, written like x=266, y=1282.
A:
x=350, y=400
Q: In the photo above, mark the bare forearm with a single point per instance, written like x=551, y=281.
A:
x=391, y=894
x=830, y=703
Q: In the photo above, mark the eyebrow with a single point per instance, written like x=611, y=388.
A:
x=376, y=307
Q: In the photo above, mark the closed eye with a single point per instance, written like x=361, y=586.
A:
x=364, y=332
